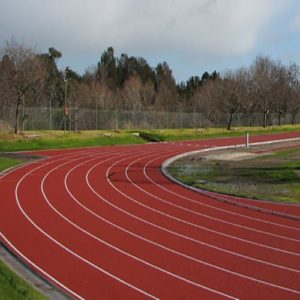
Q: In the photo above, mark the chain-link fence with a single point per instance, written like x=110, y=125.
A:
x=43, y=118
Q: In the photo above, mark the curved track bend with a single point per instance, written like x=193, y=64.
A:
x=104, y=223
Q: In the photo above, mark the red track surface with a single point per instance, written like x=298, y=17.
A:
x=104, y=223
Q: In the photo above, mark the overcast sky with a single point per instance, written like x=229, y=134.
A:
x=192, y=36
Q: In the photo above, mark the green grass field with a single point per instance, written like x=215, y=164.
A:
x=40, y=140
x=6, y=162
x=58, y=140
x=12, y=287
x=205, y=133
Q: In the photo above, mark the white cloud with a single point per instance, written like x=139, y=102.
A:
x=209, y=28
x=229, y=26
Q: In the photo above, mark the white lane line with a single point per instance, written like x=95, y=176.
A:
x=166, y=248
x=200, y=242
x=221, y=249
x=197, y=202
x=42, y=271
x=120, y=250
x=201, y=214
x=60, y=244
x=192, y=224
x=169, y=231
x=19, y=253
x=89, y=234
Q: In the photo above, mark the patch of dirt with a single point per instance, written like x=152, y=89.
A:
x=235, y=156
x=238, y=154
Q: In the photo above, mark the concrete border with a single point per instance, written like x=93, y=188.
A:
x=31, y=277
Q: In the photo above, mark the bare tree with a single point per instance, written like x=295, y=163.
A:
x=263, y=72
x=21, y=71
x=203, y=102
x=230, y=94
x=250, y=99
x=293, y=101
x=5, y=94
x=280, y=91
x=132, y=93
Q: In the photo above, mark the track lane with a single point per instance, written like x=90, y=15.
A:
x=156, y=279
x=56, y=231
x=192, y=200
x=70, y=271
x=119, y=239
x=160, y=216
x=60, y=197
x=144, y=187
x=47, y=222
x=128, y=192
x=135, y=174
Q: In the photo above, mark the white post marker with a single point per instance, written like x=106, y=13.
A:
x=247, y=140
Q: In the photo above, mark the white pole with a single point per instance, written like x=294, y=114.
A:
x=247, y=140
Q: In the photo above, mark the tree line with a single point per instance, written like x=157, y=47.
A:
x=260, y=91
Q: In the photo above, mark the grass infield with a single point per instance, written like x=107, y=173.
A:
x=274, y=175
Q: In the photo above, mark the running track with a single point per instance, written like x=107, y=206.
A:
x=104, y=223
